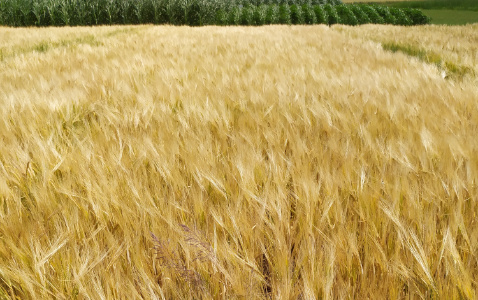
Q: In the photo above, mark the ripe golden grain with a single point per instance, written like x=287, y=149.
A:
x=272, y=162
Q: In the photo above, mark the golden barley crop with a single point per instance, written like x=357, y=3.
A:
x=273, y=162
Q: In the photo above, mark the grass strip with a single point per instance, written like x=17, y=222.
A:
x=46, y=45
x=453, y=71
x=451, y=17
x=471, y=5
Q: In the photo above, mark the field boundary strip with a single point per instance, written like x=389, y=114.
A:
x=452, y=70
x=47, y=45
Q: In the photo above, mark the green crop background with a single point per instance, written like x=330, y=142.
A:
x=19, y=13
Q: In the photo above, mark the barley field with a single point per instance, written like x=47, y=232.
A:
x=275, y=162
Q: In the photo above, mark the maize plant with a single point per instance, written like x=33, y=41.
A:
x=416, y=16
x=234, y=17
x=247, y=15
x=296, y=14
x=346, y=15
x=284, y=14
x=333, y=17
x=260, y=13
x=373, y=15
x=199, y=12
x=400, y=17
x=309, y=14
x=272, y=16
x=321, y=15
x=362, y=17
x=385, y=14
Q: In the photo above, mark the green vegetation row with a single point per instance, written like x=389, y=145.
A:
x=320, y=14
x=97, y=12
x=197, y=13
